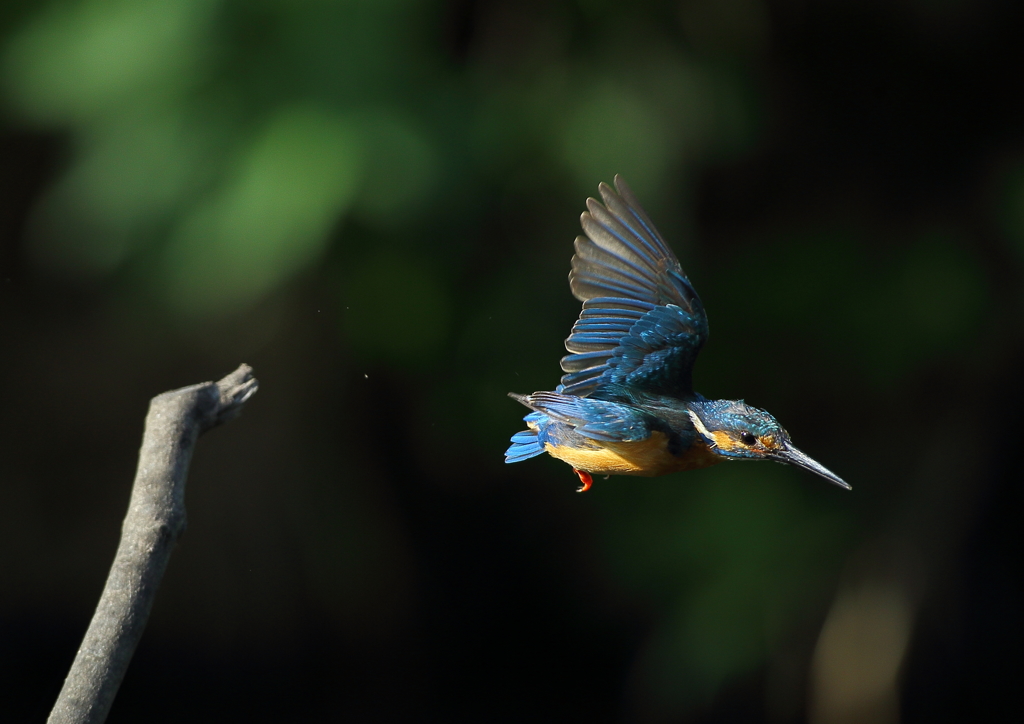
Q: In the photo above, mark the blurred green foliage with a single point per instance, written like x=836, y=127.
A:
x=222, y=151
x=734, y=564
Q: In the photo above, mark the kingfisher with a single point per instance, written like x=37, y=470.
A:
x=626, y=403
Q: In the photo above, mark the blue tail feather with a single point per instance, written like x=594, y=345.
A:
x=525, y=445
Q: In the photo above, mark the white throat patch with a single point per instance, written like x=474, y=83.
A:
x=701, y=429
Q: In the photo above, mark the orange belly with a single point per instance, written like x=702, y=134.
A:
x=647, y=458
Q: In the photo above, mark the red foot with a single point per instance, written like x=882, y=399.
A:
x=586, y=478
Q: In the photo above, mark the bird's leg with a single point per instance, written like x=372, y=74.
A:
x=586, y=478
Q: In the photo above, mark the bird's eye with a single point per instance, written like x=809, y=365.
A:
x=748, y=438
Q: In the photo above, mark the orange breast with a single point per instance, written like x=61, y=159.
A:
x=646, y=458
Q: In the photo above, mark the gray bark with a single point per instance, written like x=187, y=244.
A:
x=155, y=519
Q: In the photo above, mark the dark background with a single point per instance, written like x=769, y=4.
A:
x=373, y=203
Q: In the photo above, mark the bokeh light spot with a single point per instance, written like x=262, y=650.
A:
x=86, y=59
x=272, y=215
x=614, y=130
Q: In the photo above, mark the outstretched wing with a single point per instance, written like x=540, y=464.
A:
x=642, y=323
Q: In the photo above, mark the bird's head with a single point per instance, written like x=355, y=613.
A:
x=733, y=429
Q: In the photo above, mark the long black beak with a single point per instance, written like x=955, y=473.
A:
x=794, y=457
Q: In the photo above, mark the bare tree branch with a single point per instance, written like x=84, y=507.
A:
x=155, y=519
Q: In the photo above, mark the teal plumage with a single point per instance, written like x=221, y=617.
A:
x=626, y=403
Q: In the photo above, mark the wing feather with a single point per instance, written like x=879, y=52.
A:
x=642, y=322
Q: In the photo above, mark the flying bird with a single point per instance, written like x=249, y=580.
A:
x=626, y=403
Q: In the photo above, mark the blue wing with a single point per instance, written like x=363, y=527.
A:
x=642, y=323
x=577, y=422
x=592, y=418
